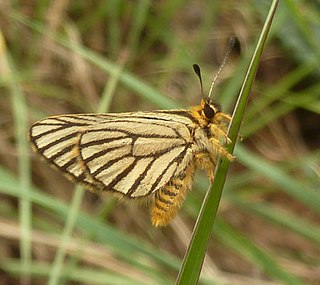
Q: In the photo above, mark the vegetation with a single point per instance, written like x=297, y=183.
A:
x=61, y=57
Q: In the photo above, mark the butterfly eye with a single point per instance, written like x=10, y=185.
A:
x=208, y=111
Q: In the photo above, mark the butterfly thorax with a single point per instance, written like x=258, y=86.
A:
x=210, y=135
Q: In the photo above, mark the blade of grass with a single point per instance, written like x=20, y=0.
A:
x=193, y=260
x=19, y=106
x=277, y=91
x=258, y=256
x=140, y=15
x=281, y=217
x=307, y=99
x=58, y=263
x=113, y=13
x=82, y=274
x=128, y=79
x=102, y=231
x=304, y=27
x=297, y=189
x=111, y=85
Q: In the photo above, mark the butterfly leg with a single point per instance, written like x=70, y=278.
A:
x=204, y=161
x=220, y=132
x=168, y=200
x=219, y=149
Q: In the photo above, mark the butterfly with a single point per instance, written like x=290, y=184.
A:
x=137, y=154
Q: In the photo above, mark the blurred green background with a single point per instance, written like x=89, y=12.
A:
x=62, y=56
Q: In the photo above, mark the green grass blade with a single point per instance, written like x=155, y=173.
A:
x=297, y=189
x=128, y=79
x=57, y=266
x=283, y=218
x=101, y=230
x=19, y=107
x=81, y=275
x=192, y=263
x=252, y=252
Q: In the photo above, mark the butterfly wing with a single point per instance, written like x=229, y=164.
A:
x=133, y=154
x=57, y=140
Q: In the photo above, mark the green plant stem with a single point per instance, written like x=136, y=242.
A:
x=192, y=263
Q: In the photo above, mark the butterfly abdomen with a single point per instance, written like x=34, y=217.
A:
x=168, y=200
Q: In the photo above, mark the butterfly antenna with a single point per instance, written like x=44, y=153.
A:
x=225, y=59
x=197, y=70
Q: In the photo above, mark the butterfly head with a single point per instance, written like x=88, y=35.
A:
x=209, y=109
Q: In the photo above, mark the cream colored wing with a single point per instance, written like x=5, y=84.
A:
x=134, y=154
